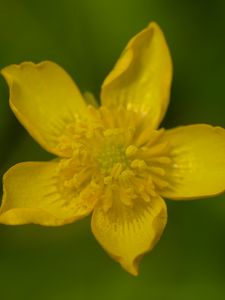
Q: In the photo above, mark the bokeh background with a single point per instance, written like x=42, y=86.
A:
x=86, y=37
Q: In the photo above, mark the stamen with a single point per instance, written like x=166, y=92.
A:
x=125, y=177
x=160, y=183
x=131, y=150
x=138, y=164
x=157, y=171
x=156, y=150
x=107, y=200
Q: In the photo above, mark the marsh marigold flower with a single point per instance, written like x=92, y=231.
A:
x=113, y=161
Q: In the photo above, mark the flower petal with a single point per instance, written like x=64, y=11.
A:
x=141, y=78
x=198, y=155
x=43, y=98
x=31, y=195
x=127, y=233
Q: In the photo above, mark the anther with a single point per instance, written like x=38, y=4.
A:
x=138, y=164
x=131, y=150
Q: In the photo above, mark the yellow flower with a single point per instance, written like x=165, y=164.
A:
x=112, y=160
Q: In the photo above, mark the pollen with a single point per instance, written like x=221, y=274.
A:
x=114, y=159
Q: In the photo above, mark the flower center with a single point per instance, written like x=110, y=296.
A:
x=111, y=155
x=116, y=158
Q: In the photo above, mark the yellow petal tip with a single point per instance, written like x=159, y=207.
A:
x=132, y=267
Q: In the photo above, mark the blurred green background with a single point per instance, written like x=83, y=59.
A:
x=86, y=37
